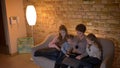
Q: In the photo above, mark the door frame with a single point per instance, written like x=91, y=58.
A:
x=5, y=27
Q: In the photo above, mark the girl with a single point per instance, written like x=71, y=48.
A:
x=94, y=50
x=53, y=49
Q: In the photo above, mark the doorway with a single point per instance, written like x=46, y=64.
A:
x=3, y=47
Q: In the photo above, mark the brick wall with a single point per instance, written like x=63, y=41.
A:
x=102, y=17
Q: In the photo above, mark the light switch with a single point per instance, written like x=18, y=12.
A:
x=13, y=19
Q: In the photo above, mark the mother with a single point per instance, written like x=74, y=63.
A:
x=53, y=49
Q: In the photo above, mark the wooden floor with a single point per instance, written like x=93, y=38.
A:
x=17, y=61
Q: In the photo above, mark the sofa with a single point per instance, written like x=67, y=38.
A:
x=108, y=53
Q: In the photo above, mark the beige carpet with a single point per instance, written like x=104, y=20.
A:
x=17, y=61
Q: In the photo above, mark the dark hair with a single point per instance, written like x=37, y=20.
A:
x=93, y=38
x=62, y=27
x=70, y=36
x=81, y=28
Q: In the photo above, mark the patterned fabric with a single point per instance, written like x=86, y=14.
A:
x=24, y=45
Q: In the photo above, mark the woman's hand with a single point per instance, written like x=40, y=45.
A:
x=78, y=57
x=57, y=48
x=67, y=55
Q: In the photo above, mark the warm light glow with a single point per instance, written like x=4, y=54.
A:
x=31, y=15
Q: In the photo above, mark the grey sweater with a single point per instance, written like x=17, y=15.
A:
x=80, y=46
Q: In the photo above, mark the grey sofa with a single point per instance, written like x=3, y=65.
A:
x=108, y=53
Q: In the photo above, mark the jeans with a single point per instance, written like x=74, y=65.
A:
x=59, y=60
x=89, y=62
x=50, y=53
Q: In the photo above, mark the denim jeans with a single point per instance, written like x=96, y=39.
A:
x=50, y=53
x=58, y=63
x=89, y=62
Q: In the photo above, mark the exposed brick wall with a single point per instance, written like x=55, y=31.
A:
x=102, y=17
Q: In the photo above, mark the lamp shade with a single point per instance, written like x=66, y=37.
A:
x=31, y=15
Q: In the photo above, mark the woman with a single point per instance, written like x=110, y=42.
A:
x=94, y=50
x=54, y=46
x=59, y=39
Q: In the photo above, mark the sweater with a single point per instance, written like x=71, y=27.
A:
x=93, y=51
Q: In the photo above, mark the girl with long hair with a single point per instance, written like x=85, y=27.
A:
x=53, y=49
x=94, y=50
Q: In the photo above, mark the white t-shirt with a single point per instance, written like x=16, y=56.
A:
x=93, y=51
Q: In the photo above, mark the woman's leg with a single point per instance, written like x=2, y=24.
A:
x=50, y=53
x=89, y=62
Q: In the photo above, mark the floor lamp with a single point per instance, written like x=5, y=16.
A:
x=31, y=16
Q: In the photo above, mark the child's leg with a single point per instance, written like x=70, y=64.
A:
x=59, y=60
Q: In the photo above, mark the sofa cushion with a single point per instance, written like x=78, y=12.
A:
x=107, y=46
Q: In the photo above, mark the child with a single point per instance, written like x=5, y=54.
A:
x=94, y=50
x=65, y=49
